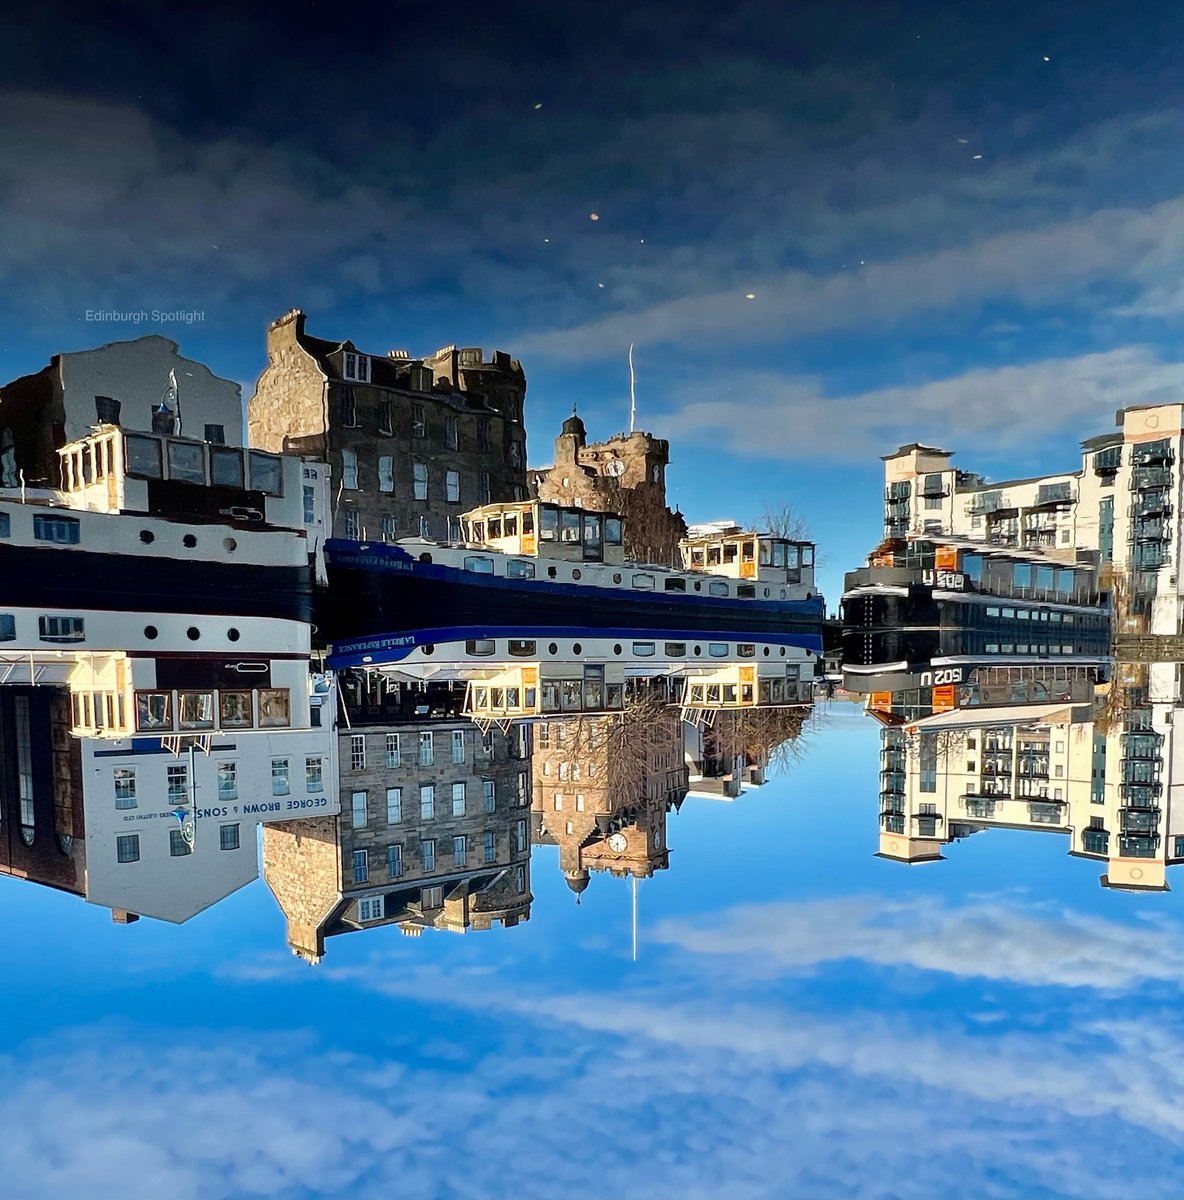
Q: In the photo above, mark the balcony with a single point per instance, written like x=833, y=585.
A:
x=892, y=822
x=1095, y=841
x=1159, y=451
x=1137, y=845
x=1054, y=494
x=1139, y=795
x=980, y=806
x=1151, y=529
x=984, y=502
x=1151, y=504
x=1046, y=812
x=1140, y=821
x=1142, y=745
x=1145, y=478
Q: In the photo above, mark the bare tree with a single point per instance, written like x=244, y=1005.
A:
x=782, y=520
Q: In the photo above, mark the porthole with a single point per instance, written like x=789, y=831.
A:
x=553, y=648
x=766, y=651
x=782, y=593
x=576, y=573
x=617, y=648
x=429, y=649
x=189, y=541
x=425, y=558
x=551, y=572
x=147, y=537
x=782, y=651
x=698, y=651
x=151, y=632
x=233, y=634
x=193, y=633
x=230, y=545
x=577, y=649
x=616, y=577
x=698, y=585
x=766, y=593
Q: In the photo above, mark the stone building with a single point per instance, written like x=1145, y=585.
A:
x=434, y=829
x=41, y=810
x=143, y=385
x=602, y=792
x=412, y=443
x=626, y=475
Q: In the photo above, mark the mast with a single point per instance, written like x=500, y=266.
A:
x=632, y=391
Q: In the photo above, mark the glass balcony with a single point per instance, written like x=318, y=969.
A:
x=892, y=822
x=1140, y=820
x=1138, y=845
x=1095, y=841
x=1140, y=795
x=980, y=806
x=1143, y=478
x=1045, y=812
x=1159, y=451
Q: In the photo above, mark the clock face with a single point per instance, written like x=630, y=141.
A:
x=617, y=843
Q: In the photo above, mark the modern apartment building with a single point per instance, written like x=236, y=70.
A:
x=411, y=443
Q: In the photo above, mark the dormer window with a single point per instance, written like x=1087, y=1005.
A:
x=357, y=367
x=422, y=379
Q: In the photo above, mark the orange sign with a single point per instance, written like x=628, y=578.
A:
x=946, y=558
x=943, y=698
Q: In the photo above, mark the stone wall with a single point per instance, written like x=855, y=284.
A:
x=289, y=399
x=302, y=867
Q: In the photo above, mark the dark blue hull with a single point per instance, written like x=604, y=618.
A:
x=383, y=603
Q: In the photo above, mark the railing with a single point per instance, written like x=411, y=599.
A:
x=1143, y=478
x=1138, y=845
x=980, y=806
x=1045, y=812
x=892, y=822
x=1140, y=820
x=1139, y=795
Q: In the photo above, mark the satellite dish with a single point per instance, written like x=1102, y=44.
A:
x=615, y=467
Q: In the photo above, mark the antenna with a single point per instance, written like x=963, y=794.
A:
x=632, y=391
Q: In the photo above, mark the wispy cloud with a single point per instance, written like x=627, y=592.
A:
x=767, y=415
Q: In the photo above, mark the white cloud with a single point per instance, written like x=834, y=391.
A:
x=767, y=415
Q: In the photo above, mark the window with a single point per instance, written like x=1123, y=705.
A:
x=226, y=468
x=310, y=505
x=717, y=588
x=370, y=909
x=613, y=535
x=127, y=848
x=143, y=456
x=644, y=649
x=61, y=629
x=216, y=434
x=490, y=846
x=460, y=852
x=482, y=566
x=361, y=866
x=178, y=784
x=458, y=745
x=7, y=627
x=522, y=785
x=234, y=710
x=517, y=568
x=393, y=755
x=394, y=805
x=458, y=799
x=718, y=649
x=357, y=808
x=228, y=838
x=579, y=801
x=274, y=708
x=195, y=710
x=427, y=802
x=452, y=487
x=314, y=774
x=357, y=752
x=451, y=433
x=482, y=433
x=349, y=470
x=227, y=781
x=187, y=462
x=388, y=529
x=178, y=846
x=520, y=837
x=384, y=417
x=5, y=525
x=488, y=795
x=349, y=408
x=386, y=473
x=484, y=489
x=675, y=583
x=357, y=368
x=154, y=710
x=420, y=475
x=427, y=749
x=427, y=854
x=419, y=423
x=432, y=897
x=125, y=787
x=394, y=861
x=643, y=583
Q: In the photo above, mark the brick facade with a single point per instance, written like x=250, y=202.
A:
x=412, y=443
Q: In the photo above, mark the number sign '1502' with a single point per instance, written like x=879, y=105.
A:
x=937, y=678
x=954, y=580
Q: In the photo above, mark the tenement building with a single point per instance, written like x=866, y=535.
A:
x=434, y=831
x=412, y=443
x=625, y=475
x=143, y=385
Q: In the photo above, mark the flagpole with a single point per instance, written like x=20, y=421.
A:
x=632, y=391
x=635, y=918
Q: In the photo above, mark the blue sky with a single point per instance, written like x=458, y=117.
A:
x=805, y=1021
x=427, y=176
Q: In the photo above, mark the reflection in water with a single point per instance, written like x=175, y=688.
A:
x=1019, y=643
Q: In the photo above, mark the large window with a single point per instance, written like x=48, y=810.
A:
x=452, y=487
x=394, y=805
x=280, y=782
x=226, y=467
x=314, y=774
x=356, y=367
x=460, y=851
x=370, y=908
x=490, y=846
x=228, y=837
x=427, y=749
x=420, y=476
x=427, y=802
x=358, y=810
x=125, y=787
x=427, y=854
x=357, y=752
x=61, y=629
x=61, y=530
x=458, y=799
x=178, y=846
x=177, y=777
x=349, y=470
x=361, y=866
x=488, y=795
x=227, y=781
x=393, y=753
x=451, y=433
x=386, y=473
x=458, y=745
x=394, y=861
x=274, y=707
x=127, y=848
x=187, y=462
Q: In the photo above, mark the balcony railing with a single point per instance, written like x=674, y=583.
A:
x=1144, y=820
x=1045, y=812
x=1138, y=845
x=1159, y=451
x=892, y=822
x=1139, y=795
x=980, y=806
x=1143, y=478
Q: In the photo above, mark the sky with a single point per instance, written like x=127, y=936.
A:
x=954, y=225
x=804, y=1021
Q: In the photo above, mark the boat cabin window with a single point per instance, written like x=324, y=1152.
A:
x=513, y=698
x=592, y=529
x=613, y=531
x=644, y=649
x=713, y=693
x=569, y=525
x=779, y=550
x=480, y=697
x=265, y=474
x=764, y=554
x=730, y=549
x=548, y=524
x=792, y=557
x=697, y=556
x=714, y=556
x=643, y=582
x=675, y=584
x=729, y=693
x=519, y=648
x=226, y=467
x=718, y=649
x=494, y=526
x=483, y=566
x=747, y=550
x=143, y=456
x=717, y=587
x=746, y=650
x=676, y=649
x=65, y=531
x=477, y=531
x=187, y=462
x=481, y=648
x=614, y=696
x=528, y=521
x=697, y=693
x=746, y=591
x=593, y=688
x=510, y=524
x=807, y=555
x=569, y=694
x=517, y=568
x=5, y=525
x=746, y=693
